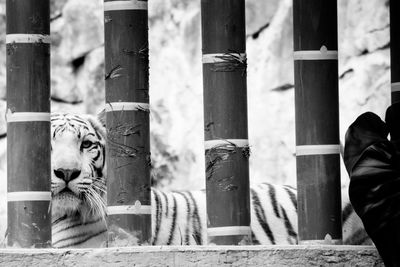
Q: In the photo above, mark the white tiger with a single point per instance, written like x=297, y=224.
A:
x=178, y=218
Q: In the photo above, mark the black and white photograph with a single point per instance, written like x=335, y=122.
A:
x=200, y=133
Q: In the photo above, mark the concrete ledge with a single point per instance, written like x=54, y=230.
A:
x=196, y=256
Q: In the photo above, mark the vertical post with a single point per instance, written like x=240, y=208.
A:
x=393, y=112
x=317, y=120
x=127, y=121
x=225, y=121
x=395, y=50
x=28, y=123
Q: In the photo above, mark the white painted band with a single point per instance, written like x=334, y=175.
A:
x=27, y=116
x=317, y=150
x=223, y=142
x=315, y=55
x=29, y=196
x=321, y=242
x=125, y=5
x=220, y=57
x=229, y=230
x=28, y=38
x=395, y=87
x=129, y=209
x=118, y=106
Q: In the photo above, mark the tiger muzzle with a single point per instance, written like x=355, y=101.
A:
x=67, y=174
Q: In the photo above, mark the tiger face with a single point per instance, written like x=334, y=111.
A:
x=78, y=160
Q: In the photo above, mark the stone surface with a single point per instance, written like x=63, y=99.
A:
x=363, y=26
x=197, y=256
x=90, y=80
x=83, y=28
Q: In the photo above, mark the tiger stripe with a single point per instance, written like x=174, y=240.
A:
x=290, y=231
x=198, y=228
x=275, y=219
x=74, y=225
x=78, y=232
x=292, y=196
x=272, y=195
x=166, y=203
x=174, y=217
x=157, y=214
x=188, y=217
x=261, y=219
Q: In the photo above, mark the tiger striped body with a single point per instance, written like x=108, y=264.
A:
x=178, y=218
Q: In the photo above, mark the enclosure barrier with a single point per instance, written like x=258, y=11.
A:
x=225, y=121
x=395, y=50
x=226, y=145
x=317, y=121
x=127, y=121
x=28, y=123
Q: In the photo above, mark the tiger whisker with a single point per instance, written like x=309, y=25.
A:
x=96, y=202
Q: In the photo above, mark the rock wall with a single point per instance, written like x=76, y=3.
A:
x=176, y=80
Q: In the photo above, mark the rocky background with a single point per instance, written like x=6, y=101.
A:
x=176, y=80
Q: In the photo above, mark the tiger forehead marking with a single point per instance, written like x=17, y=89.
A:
x=77, y=182
x=78, y=125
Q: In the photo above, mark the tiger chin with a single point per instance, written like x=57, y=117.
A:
x=178, y=218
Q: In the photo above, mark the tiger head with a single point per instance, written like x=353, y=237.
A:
x=78, y=161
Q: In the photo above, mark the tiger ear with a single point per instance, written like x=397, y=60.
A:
x=98, y=125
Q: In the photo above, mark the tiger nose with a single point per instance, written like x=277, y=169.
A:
x=67, y=174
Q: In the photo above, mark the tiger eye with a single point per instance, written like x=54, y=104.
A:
x=86, y=144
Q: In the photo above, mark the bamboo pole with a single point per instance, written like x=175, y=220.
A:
x=28, y=123
x=395, y=50
x=317, y=121
x=225, y=119
x=127, y=121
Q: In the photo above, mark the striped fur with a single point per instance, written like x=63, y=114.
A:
x=78, y=206
x=178, y=218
